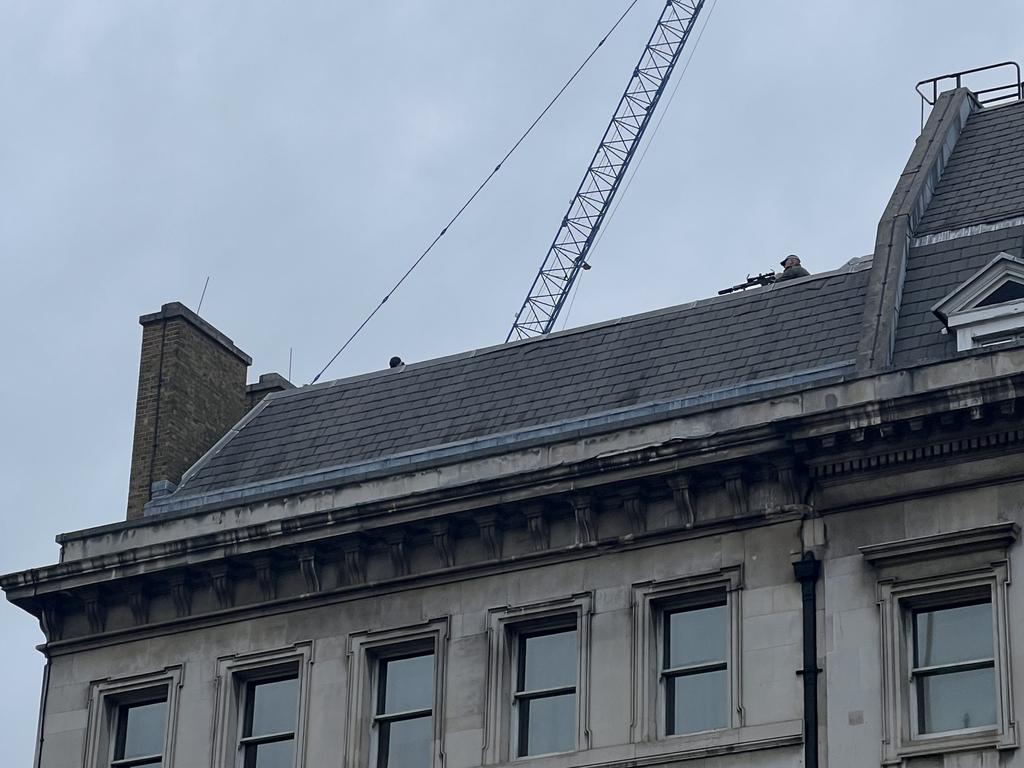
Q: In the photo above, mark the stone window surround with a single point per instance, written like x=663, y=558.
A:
x=651, y=599
x=365, y=651
x=234, y=673
x=504, y=627
x=965, y=564
x=105, y=698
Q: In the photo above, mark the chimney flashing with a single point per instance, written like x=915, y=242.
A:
x=177, y=309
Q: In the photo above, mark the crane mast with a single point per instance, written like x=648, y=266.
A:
x=575, y=237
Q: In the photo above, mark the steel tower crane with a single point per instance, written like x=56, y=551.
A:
x=575, y=237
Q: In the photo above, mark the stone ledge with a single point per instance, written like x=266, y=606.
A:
x=995, y=537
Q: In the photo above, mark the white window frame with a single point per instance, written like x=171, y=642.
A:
x=910, y=605
x=234, y=675
x=930, y=572
x=652, y=602
x=107, y=696
x=366, y=652
x=505, y=627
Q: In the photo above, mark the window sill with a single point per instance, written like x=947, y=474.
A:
x=941, y=745
x=684, y=747
x=723, y=741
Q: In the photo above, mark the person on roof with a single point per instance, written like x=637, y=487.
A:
x=792, y=269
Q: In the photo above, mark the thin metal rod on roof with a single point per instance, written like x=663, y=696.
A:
x=203, y=296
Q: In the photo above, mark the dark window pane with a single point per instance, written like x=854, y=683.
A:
x=273, y=707
x=547, y=724
x=277, y=754
x=697, y=702
x=549, y=661
x=949, y=635
x=143, y=730
x=697, y=636
x=957, y=700
x=1011, y=290
x=409, y=684
x=406, y=743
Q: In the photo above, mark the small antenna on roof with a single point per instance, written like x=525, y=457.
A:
x=289, y=363
x=205, y=285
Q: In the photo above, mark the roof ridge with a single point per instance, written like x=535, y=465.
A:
x=855, y=264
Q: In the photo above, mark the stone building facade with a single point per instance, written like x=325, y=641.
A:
x=665, y=540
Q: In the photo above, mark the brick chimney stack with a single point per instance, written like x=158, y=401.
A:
x=191, y=392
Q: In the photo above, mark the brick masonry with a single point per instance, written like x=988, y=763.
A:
x=191, y=392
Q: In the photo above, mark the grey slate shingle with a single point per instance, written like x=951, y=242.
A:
x=685, y=350
x=984, y=178
x=933, y=272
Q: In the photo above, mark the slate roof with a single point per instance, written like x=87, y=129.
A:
x=694, y=348
x=983, y=180
x=933, y=272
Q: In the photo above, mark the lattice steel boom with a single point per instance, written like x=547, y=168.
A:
x=568, y=253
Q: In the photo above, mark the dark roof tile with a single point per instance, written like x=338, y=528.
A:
x=690, y=349
x=983, y=180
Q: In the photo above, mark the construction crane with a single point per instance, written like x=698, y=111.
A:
x=568, y=253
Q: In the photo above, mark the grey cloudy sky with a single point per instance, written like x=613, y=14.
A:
x=302, y=153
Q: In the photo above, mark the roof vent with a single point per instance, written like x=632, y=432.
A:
x=395, y=362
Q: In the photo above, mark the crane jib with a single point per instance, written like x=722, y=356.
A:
x=568, y=252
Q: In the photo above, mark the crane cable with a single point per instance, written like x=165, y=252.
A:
x=643, y=154
x=479, y=189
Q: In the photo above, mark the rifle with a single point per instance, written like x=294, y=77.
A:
x=765, y=278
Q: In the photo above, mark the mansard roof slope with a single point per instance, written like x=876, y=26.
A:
x=706, y=350
x=975, y=213
x=983, y=180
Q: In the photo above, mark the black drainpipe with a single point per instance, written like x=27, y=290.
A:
x=807, y=571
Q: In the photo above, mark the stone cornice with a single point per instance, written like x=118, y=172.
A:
x=996, y=538
x=737, y=475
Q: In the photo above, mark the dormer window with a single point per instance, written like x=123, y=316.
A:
x=987, y=310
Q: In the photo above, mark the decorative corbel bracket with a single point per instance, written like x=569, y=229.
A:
x=635, y=506
x=583, y=509
x=354, y=552
x=441, y=531
x=490, y=534
x=138, y=602
x=537, y=525
x=399, y=552
x=222, y=585
x=683, y=496
x=95, y=610
x=264, y=566
x=51, y=619
x=792, y=483
x=181, y=594
x=310, y=569
x=736, y=487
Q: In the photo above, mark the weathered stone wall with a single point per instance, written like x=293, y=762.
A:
x=769, y=628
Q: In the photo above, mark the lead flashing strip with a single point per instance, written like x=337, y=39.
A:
x=970, y=231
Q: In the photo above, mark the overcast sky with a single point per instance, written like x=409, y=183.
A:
x=302, y=153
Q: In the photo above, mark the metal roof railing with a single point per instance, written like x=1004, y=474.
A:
x=933, y=86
